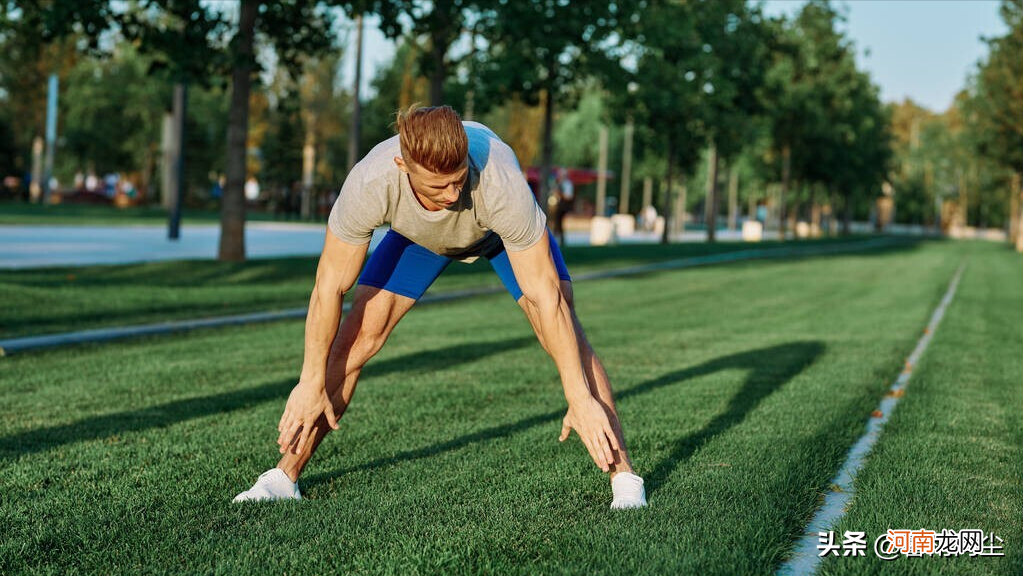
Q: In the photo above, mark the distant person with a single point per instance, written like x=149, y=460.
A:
x=110, y=185
x=761, y=212
x=217, y=186
x=450, y=190
x=566, y=202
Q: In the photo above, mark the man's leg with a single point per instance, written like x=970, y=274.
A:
x=363, y=332
x=397, y=274
x=596, y=376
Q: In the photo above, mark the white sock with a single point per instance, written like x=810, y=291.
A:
x=274, y=484
x=627, y=491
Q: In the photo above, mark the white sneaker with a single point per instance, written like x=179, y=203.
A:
x=272, y=485
x=627, y=491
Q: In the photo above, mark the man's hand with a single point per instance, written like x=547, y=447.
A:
x=306, y=404
x=594, y=428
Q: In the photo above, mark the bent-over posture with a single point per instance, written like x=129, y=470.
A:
x=450, y=190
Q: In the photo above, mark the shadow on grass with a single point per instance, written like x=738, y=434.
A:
x=769, y=368
x=171, y=413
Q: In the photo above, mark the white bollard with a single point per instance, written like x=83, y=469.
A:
x=752, y=231
x=802, y=229
x=624, y=224
x=659, y=226
x=602, y=231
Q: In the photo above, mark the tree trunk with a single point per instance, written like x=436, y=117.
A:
x=815, y=213
x=232, y=208
x=667, y=192
x=1017, y=193
x=733, y=196
x=712, y=195
x=623, y=199
x=683, y=199
x=548, y=151
x=177, y=192
x=438, y=70
x=308, y=169
x=846, y=213
x=783, y=195
x=602, y=172
x=1013, y=210
x=355, y=129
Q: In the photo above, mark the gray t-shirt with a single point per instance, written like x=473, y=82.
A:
x=495, y=205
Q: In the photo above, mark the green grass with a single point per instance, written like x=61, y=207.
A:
x=42, y=301
x=951, y=457
x=22, y=213
x=740, y=388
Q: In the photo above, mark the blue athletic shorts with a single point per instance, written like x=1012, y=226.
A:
x=401, y=266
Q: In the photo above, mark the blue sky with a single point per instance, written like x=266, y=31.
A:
x=920, y=49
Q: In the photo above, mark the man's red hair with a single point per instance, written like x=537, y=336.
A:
x=433, y=137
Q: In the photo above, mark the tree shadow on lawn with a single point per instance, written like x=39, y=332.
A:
x=769, y=368
x=42, y=439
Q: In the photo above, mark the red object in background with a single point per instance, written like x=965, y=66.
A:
x=577, y=176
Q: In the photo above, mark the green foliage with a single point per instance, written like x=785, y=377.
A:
x=998, y=93
x=823, y=111
x=112, y=115
x=548, y=45
x=282, y=145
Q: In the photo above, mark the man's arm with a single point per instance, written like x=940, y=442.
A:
x=538, y=279
x=336, y=273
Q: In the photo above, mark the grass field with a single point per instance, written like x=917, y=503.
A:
x=23, y=213
x=740, y=388
x=42, y=301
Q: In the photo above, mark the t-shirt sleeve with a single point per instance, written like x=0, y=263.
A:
x=360, y=207
x=514, y=214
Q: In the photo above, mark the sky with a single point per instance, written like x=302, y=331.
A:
x=919, y=49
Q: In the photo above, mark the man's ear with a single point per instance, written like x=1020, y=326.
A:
x=400, y=163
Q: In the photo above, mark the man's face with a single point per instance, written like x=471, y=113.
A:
x=435, y=191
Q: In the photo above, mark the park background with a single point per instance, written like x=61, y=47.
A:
x=744, y=372
x=718, y=111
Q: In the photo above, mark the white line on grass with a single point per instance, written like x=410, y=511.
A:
x=25, y=344
x=805, y=559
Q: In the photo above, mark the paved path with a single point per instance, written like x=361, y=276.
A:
x=34, y=246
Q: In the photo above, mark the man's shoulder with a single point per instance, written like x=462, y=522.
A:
x=378, y=163
x=489, y=153
x=478, y=129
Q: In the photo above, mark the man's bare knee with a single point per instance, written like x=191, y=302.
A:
x=374, y=315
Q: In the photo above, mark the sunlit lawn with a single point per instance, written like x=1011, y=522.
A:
x=41, y=301
x=740, y=386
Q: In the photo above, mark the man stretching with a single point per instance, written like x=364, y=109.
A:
x=450, y=190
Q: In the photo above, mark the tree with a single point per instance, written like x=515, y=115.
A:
x=822, y=111
x=112, y=115
x=199, y=43
x=998, y=107
x=735, y=37
x=536, y=50
x=667, y=88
